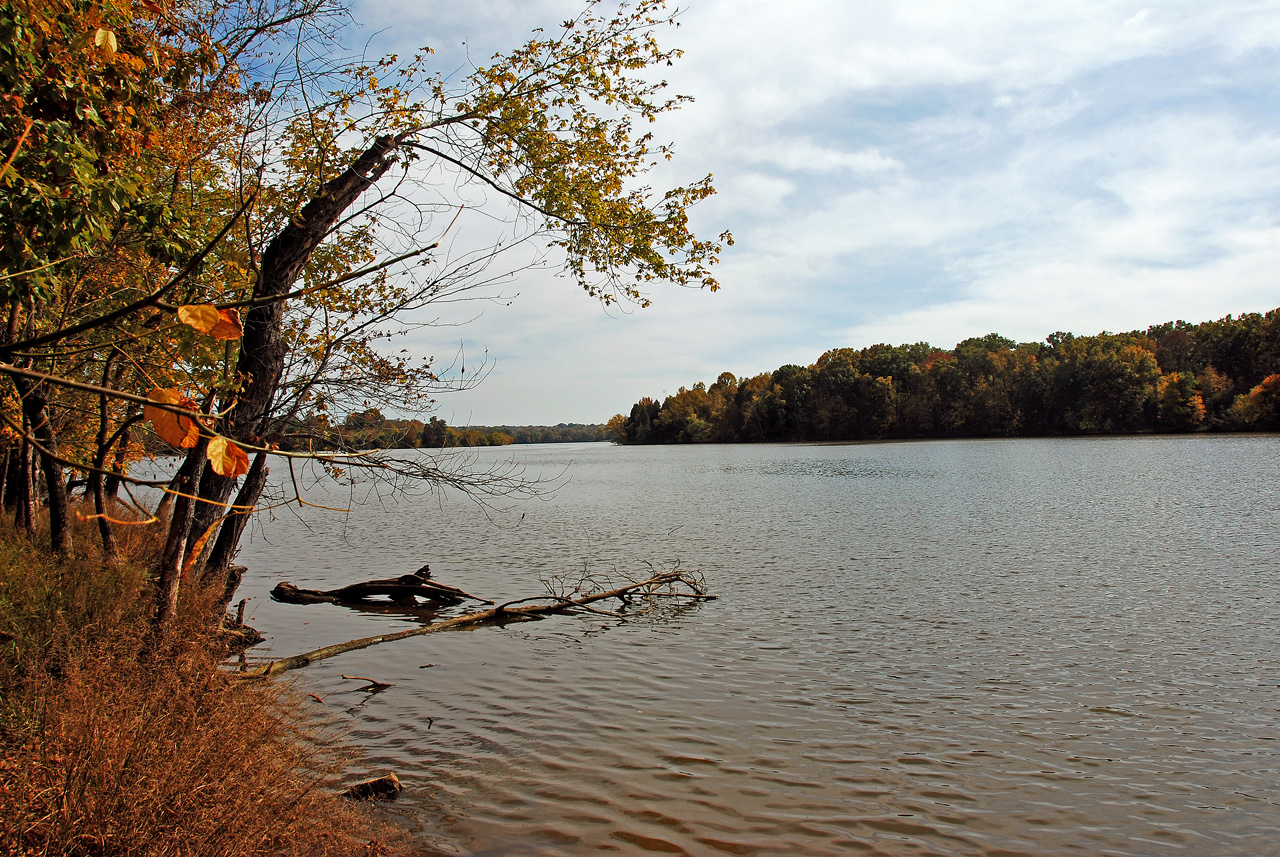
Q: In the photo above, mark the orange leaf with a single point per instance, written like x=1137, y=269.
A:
x=202, y=317
x=175, y=429
x=228, y=325
x=226, y=458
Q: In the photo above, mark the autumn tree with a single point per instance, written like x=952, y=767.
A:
x=1260, y=409
x=435, y=434
x=759, y=411
x=96, y=124
x=795, y=385
x=548, y=129
x=1180, y=405
x=299, y=237
x=845, y=402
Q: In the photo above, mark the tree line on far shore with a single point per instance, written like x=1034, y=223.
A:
x=369, y=429
x=1175, y=377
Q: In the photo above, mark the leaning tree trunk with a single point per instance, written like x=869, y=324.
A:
x=218, y=567
x=263, y=348
x=175, y=548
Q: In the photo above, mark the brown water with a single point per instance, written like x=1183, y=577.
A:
x=1040, y=647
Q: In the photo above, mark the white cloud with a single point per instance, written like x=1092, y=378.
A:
x=806, y=156
x=756, y=192
x=1086, y=297
x=897, y=171
x=1192, y=231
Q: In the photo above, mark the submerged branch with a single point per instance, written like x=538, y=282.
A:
x=674, y=583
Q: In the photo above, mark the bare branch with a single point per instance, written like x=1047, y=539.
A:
x=677, y=583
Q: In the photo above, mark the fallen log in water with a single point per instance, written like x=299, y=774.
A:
x=405, y=589
x=668, y=584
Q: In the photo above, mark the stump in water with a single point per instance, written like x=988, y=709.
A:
x=384, y=787
x=404, y=590
x=235, y=635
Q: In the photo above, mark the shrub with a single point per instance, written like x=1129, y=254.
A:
x=113, y=744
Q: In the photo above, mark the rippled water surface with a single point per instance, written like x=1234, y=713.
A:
x=1039, y=647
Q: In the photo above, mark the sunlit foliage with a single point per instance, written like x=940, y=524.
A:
x=219, y=234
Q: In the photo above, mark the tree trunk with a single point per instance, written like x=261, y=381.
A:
x=13, y=476
x=4, y=476
x=109, y=549
x=25, y=514
x=218, y=563
x=165, y=507
x=404, y=590
x=95, y=476
x=111, y=485
x=35, y=408
x=263, y=347
x=175, y=549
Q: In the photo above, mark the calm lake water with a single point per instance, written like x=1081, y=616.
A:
x=997, y=647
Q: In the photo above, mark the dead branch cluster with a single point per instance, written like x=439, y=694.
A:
x=635, y=597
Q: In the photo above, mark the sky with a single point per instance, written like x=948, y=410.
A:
x=896, y=172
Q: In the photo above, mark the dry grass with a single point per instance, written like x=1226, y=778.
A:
x=112, y=746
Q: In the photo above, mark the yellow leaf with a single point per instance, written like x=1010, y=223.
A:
x=206, y=318
x=106, y=40
x=227, y=326
x=175, y=429
x=202, y=317
x=226, y=458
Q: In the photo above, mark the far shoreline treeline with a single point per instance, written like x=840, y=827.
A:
x=1175, y=377
x=369, y=429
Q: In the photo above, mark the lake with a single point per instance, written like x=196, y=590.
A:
x=994, y=647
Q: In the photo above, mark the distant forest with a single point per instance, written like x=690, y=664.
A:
x=369, y=429
x=1175, y=377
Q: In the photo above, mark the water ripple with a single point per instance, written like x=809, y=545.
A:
x=1049, y=647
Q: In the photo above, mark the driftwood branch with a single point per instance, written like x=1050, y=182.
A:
x=405, y=589
x=374, y=685
x=668, y=583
